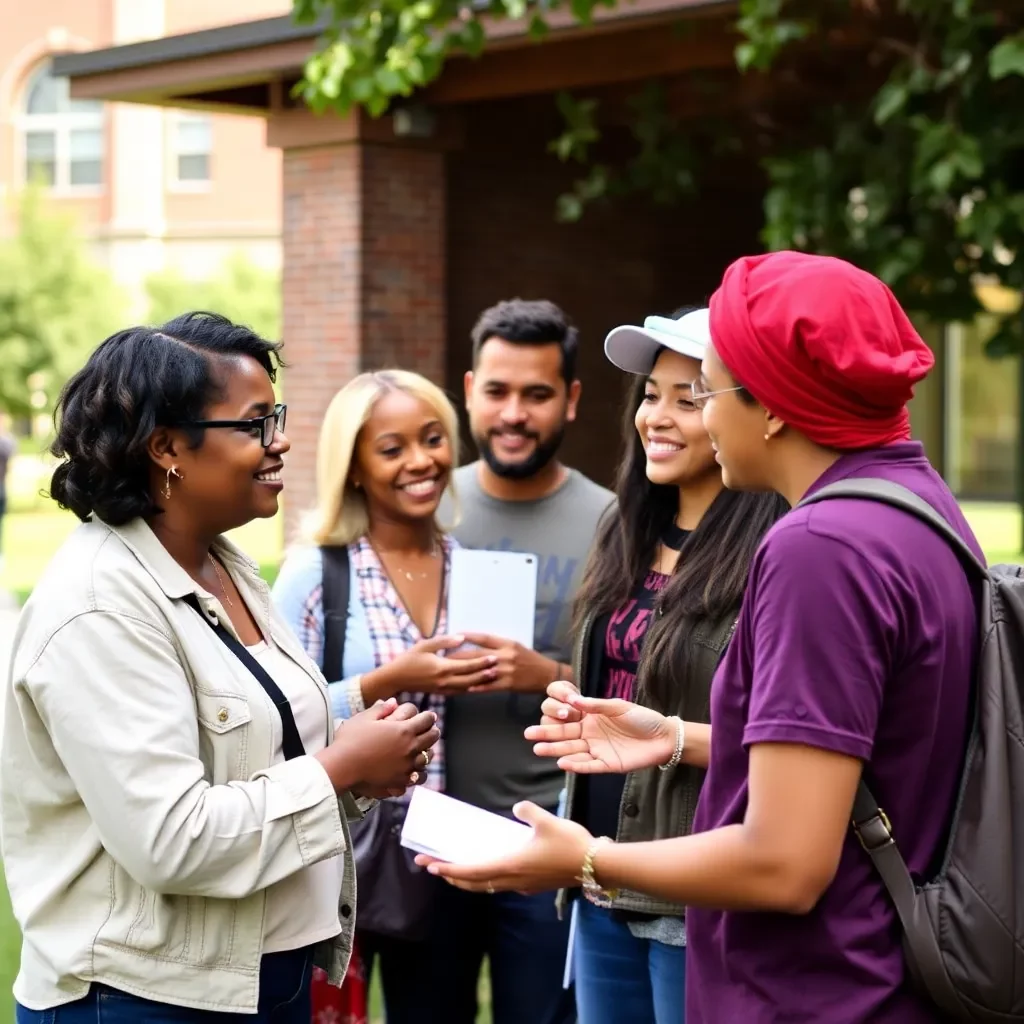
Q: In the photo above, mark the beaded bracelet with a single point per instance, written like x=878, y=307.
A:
x=677, y=754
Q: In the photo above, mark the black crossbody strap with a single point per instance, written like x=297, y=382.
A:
x=336, y=589
x=291, y=741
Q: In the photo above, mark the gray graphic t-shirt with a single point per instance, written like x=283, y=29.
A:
x=489, y=763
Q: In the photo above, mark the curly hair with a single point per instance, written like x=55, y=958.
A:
x=139, y=379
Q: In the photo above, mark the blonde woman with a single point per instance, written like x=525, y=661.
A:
x=386, y=454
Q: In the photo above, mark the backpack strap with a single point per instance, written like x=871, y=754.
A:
x=336, y=588
x=898, y=496
x=869, y=821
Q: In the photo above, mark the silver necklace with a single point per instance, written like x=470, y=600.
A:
x=412, y=576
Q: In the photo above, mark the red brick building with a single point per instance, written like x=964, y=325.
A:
x=393, y=241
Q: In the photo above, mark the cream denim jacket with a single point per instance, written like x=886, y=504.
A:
x=142, y=818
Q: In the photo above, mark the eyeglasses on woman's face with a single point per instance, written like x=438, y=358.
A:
x=700, y=395
x=263, y=427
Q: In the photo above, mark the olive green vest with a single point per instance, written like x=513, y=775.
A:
x=657, y=804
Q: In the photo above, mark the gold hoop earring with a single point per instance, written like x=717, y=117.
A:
x=173, y=471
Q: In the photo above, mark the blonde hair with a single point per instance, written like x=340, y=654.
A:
x=340, y=516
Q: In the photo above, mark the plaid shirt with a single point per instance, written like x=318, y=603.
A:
x=391, y=632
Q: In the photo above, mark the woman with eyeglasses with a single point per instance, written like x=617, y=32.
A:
x=174, y=798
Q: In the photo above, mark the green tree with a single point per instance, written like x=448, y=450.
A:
x=918, y=176
x=55, y=305
x=241, y=291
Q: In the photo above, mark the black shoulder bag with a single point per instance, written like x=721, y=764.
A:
x=395, y=896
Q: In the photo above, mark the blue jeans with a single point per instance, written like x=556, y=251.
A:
x=622, y=978
x=284, y=999
x=526, y=945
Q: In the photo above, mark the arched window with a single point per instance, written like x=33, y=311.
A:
x=62, y=138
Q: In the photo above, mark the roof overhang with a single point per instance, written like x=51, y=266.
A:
x=251, y=67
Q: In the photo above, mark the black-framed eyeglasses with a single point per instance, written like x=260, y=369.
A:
x=267, y=425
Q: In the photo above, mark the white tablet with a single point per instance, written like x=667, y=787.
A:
x=493, y=592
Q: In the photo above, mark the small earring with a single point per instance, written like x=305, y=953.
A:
x=767, y=437
x=167, y=486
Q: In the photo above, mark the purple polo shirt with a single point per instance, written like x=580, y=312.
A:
x=858, y=635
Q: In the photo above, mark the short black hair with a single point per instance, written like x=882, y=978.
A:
x=529, y=322
x=139, y=379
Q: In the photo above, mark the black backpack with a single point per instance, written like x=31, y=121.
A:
x=963, y=931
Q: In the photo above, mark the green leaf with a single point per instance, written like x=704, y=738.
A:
x=582, y=10
x=891, y=99
x=1007, y=57
x=569, y=208
x=538, y=27
x=746, y=56
x=473, y=37
x=390, y=81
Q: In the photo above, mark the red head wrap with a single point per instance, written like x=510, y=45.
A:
x=824, y=346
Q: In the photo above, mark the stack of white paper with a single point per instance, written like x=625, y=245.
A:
x=459, y=833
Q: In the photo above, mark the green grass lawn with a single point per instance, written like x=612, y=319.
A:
x=31, y=537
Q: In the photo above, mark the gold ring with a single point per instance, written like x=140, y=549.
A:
x=414, y=778
x=426, y=758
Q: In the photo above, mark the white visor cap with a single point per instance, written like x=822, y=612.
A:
x=633, y=349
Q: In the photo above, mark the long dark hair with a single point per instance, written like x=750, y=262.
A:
x=709, y=578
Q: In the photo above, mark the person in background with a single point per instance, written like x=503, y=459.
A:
x=174, y=798
x=854, y=655
x=521, y=394
x=657, y=608
x=387, y=449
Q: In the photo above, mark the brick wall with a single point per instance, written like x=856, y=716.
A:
x=404, y=305
x=320, y=284
x=363, y=281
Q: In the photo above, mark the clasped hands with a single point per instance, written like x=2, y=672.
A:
x=381, y=751
x=437, y=665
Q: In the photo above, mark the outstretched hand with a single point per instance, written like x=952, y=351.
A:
x=553, y=858
x=590, y=736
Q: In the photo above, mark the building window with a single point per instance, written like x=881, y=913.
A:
x=191, y=144
x=62, y=138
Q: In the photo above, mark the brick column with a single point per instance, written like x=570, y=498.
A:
x=363, y=248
